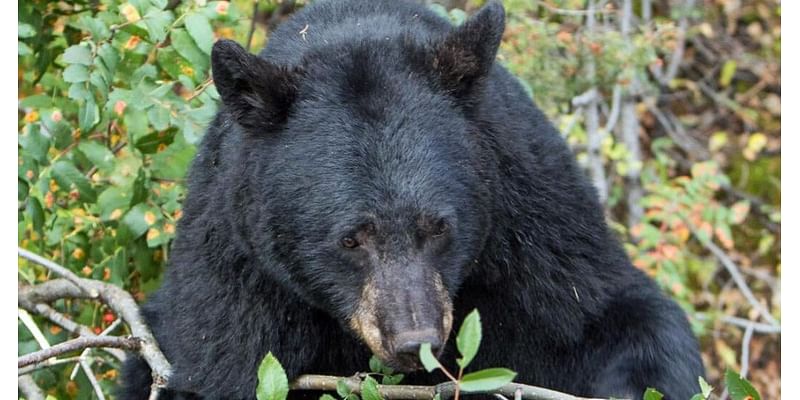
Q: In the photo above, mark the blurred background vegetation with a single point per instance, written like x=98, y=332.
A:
x=673, y=107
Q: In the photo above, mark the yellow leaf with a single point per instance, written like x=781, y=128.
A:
x=130, y=12
x=739, y=212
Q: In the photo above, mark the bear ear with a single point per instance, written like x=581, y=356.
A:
x=257, y=93
x=467, y=53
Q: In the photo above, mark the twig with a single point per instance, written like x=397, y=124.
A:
x=629, y=129
x=748, y=335
x=126, y=343
x=677, y=56
x=50, y=362
x=613, y=115
x=29, y=388
x=444, y=390
x=733, y=270
x=31, y=298
x=746, y=323
x=593, y=131
x=33, y=328
x=575, y=13
x=87, y=369
x=200, y=89
x=252, y=25
x=85, y=352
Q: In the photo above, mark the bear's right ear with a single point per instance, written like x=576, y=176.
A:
x=257, y=93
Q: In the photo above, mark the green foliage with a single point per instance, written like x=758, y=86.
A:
x=740, y=388
x=272, y=381
x=369, y=389
x=486, y=379
x=469, y=338
x=114, y=97
x=652, y=394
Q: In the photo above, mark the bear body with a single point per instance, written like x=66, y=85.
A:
x=372, y=177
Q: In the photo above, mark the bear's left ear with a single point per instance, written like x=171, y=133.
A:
x=257, y=93
x=467, y=54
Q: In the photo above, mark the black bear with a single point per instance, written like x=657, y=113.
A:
x=373, y=176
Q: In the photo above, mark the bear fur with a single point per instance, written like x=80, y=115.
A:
x=373, y=166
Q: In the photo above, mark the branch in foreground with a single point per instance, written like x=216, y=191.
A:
x=123, y=305
x=29, y=388
x=444, y=390
x=81, y=343
x=34, y=298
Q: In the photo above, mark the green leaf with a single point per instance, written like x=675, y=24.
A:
x=469, y=338
x=35, y=143
x=705, y=388
x=98, y=154
x=375, y=364
x=119, y=268
x=36, y=101
x=486, y=379
x=326, y=397
x=426, y=356
x=88, y=115
x=157, y=23
x=23, y=49
x=739, y=388
x=272, y=381
x=342, y=389
x=78, y=91
x=185, y=46
x=25, y=30
x=159, y=117
x=78, y=54
x=135, y=220
x=392, y=379
x=114, y=202
x=109, y=55
x=727, y=72
x=697, y=397
x=173, y=162
x=36, y=213
x=652, y=394
x=369, y=389
x=76, y=73
x=67, y=176
x=200, y=29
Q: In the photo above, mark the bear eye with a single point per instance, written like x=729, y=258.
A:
x=349, y=242
x=440, y=228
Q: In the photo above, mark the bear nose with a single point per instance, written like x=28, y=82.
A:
x=408, y=343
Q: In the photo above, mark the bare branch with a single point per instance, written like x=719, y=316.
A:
x=123, y=305
x=677, y=56
x=444, y=390
x=50, y=362
x=733, y=269
x=29, y=388
x=748, y=335
x=126, y=343
x=574, y=13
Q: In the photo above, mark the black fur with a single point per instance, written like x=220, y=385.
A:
x=381, y=109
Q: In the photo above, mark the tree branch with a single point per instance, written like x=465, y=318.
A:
x=126, y=343
x=123, y=305
x=444, y=390
x=733, y=269
x=29, y=388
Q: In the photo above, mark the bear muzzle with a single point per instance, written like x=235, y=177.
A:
x=395, y=317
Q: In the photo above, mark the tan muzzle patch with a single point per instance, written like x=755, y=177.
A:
x=364, y=321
